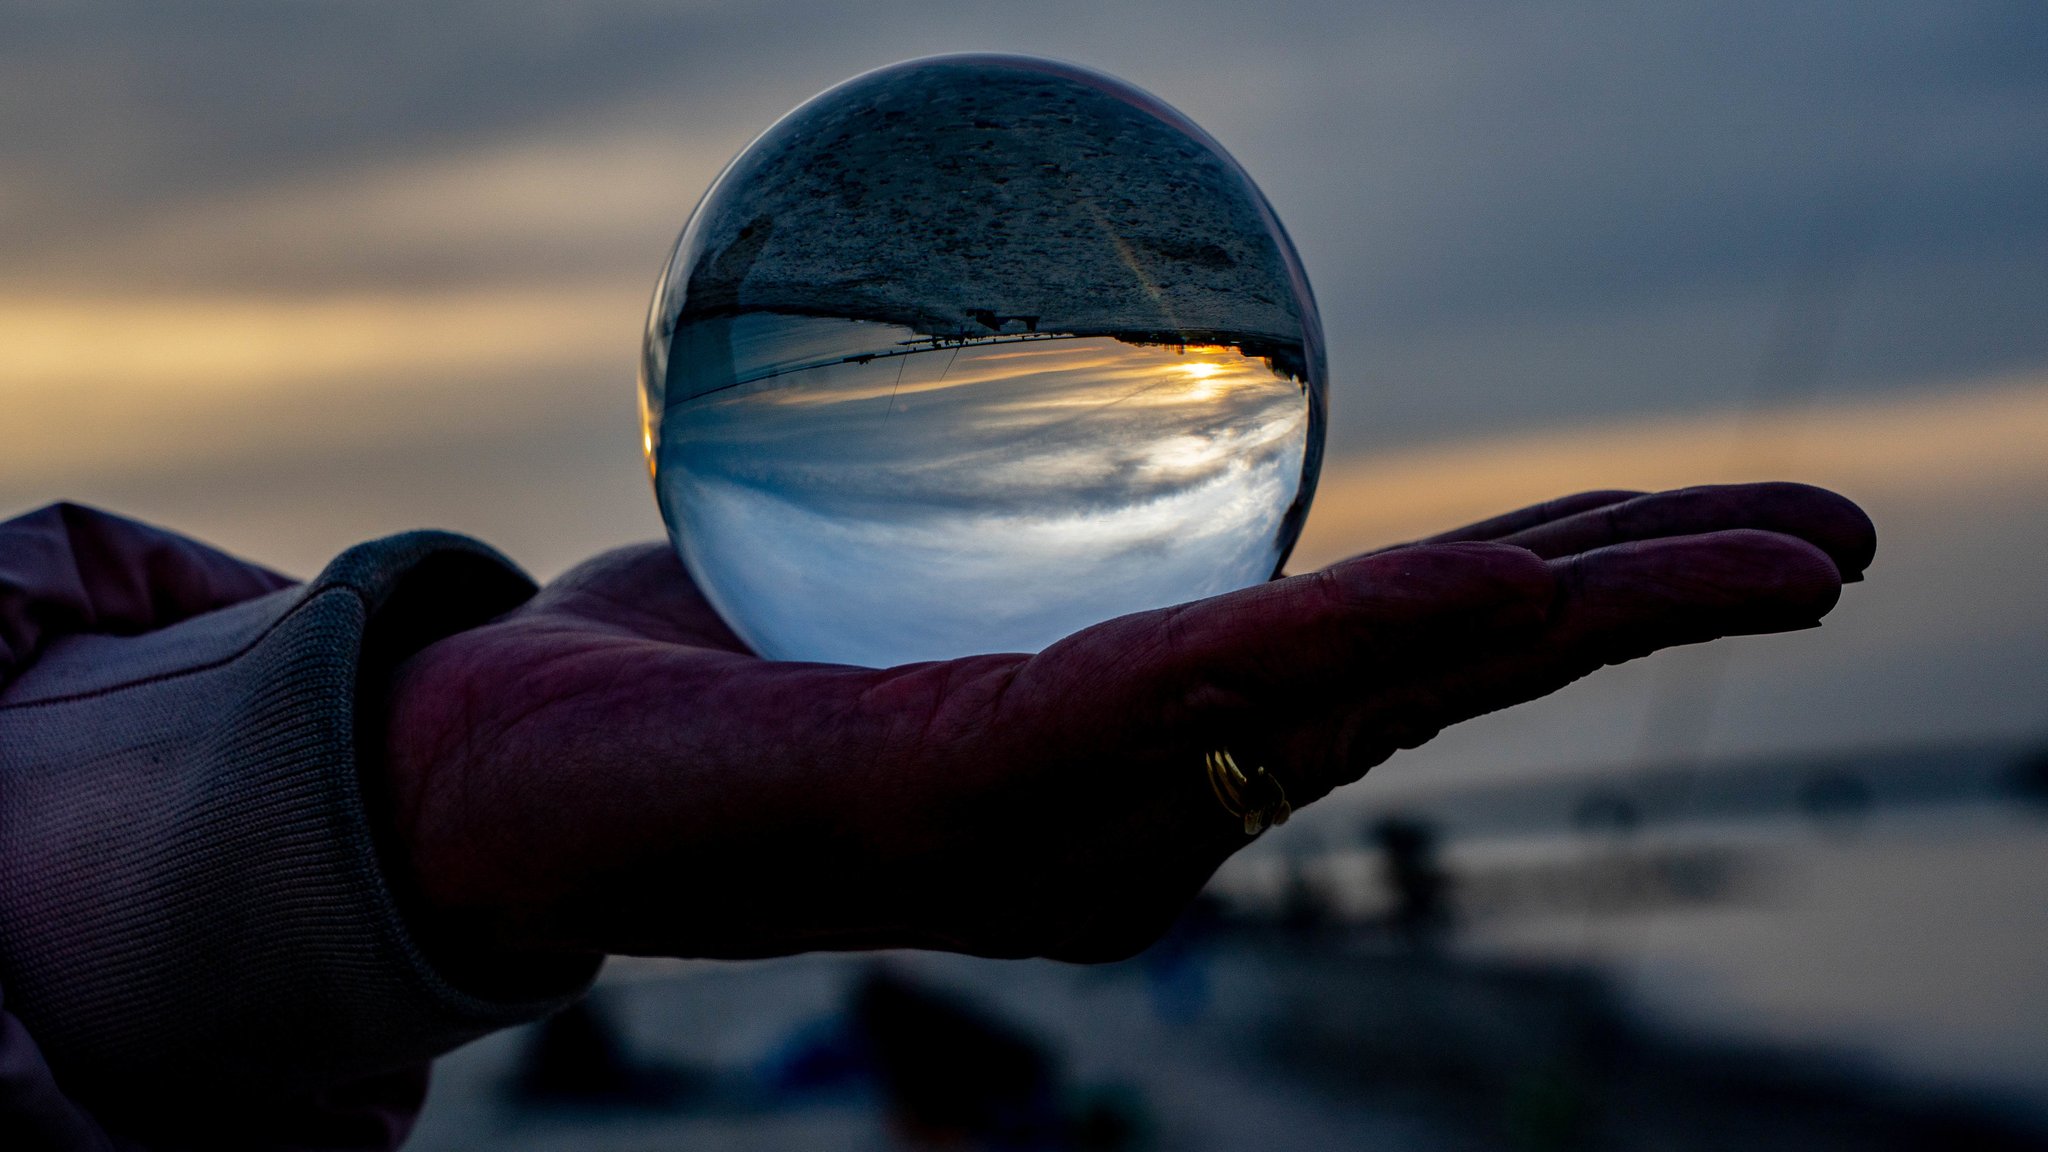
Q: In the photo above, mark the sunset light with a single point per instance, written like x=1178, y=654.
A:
x=779, y=503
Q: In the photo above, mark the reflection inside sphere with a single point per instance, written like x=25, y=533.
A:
x=973, y=352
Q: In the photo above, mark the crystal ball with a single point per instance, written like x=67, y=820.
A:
x=971, y=352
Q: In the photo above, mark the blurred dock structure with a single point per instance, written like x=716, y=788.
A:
x=1336, y=990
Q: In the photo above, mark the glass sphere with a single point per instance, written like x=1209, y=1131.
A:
x=971, y=352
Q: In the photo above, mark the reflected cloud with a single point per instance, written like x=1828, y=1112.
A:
x=932, y=498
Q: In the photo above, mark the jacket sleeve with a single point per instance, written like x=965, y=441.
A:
x=193, y=915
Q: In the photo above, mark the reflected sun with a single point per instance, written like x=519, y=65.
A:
x=1202, y=380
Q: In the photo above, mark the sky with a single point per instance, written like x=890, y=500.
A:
x=291, y=276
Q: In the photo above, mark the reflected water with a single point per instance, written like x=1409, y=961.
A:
x=851, y=492
x=972, y=352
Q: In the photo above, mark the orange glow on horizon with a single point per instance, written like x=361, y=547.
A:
x=1931, y=450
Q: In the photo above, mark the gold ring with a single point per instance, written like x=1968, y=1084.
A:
x=1235, y=790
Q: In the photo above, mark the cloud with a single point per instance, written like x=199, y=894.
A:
x=1945, y=640
x=291, y=274
x=137, y=384
x=1514, y=214
x=1931, y=451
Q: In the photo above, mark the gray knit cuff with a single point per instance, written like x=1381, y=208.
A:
x=190, y=891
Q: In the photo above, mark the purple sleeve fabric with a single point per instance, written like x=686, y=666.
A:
x=198, y=945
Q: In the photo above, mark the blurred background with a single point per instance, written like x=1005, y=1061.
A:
x=286, y=277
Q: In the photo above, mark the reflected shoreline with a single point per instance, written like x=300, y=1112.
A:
x=841, y=493
x=1283, y=357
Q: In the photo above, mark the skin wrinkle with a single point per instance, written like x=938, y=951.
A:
x=639, y=611
x=999, y=709
x=1610, y=522
x=966, y=700
x=476, y=742
x=857, y=712
x=1845, y=535
x=447, y=739
x=1332, y=761
x=1203, y=699
x=1422, y=714
x=1800, y=616
x=1327, y=768
x=938, y=834
x=919, y=698
x=1504, y=528
x=1570, y=583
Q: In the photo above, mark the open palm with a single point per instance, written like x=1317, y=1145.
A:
x=608, y=769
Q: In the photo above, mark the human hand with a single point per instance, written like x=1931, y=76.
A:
x=608, y=769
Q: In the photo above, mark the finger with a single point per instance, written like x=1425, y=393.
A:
x=1237, y=648
x=1613, y=605
x=1500, y=527
x=1638, y=596
x=736, y=767
x=68, y=568
x=1139, y=700
x=1829, y=521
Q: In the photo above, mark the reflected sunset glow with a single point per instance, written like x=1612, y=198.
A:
x=985, y=495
